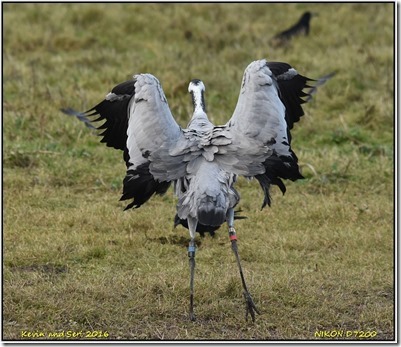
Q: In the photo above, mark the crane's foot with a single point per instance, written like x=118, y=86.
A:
x=192, y=317
x=250, y=307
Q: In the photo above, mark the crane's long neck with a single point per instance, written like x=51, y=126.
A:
x=197, y=91
x=199, y=117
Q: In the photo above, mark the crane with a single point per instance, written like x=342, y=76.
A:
x=203, y=161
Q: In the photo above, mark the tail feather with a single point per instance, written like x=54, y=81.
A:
x=210, y=214
x=202, y=228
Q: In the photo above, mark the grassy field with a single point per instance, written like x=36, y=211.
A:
x=75, y=266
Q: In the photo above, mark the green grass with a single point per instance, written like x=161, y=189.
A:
x=321, y=259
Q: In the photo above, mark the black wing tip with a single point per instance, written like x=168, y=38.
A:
x=140, y=185
x=312, y=89
x=329, y=75
x=80, y=115
x=321, y=80
x=69, y=111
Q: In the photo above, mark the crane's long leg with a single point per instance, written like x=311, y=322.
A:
x=250, y=305
x=192, y=222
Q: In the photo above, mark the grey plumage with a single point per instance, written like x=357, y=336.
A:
x=203, y=161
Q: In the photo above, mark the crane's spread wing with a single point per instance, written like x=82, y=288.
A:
x=138, y=121
x=268, y=105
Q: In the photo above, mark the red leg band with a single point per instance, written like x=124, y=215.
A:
x=233, y=237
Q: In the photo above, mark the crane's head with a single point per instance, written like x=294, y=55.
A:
x=195, y=86
x=306, y=17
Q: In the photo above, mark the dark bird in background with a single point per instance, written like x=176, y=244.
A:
x=203, y=161
x=300, y=28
